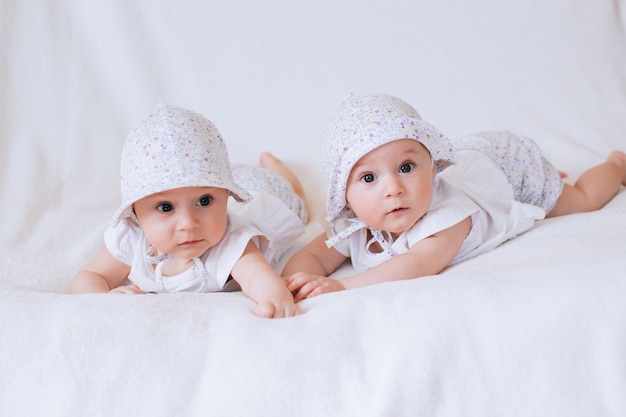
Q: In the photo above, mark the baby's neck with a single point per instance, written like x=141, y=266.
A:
x=375, y=246
x=175, y=266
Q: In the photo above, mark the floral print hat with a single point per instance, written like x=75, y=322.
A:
x=364, y=123
x=173, y=148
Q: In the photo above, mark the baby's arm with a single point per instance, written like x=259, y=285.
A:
x=315, y=258
x=429, y=256
x=261, y=283
x=312, y=264
x=103, y=273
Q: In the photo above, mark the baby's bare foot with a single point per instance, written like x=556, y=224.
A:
x=619, y=158
x=269, y=161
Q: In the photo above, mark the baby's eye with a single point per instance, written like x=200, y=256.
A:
x=368, y=178
x=205, y=200
x=165, y=207
x=407, y=167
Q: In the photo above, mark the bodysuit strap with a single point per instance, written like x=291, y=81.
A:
x=198, y=267
x=357, y=224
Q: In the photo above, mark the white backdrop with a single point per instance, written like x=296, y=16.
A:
x=77, y=76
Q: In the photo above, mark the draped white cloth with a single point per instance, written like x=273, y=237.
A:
x=535, y=327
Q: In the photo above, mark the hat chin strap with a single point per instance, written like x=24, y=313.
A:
x=159, y=260
x=357, y=224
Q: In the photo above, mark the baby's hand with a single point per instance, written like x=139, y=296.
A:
x=277, y=308
x=127, y=289
x=303, y=285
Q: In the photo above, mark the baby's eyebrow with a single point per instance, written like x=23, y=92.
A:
x=358, y=170
x=412, y=151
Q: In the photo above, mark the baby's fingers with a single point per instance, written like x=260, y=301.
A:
x=308, y=289
x=270, y=310
x=297, y=280
x=291, y=310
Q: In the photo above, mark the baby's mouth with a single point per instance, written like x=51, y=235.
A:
x=190, y=243
x=398, y=210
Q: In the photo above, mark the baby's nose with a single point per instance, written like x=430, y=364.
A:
x=393, y=186
x=186, y=220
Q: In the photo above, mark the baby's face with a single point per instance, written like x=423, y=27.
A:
x=391, y=187
x=184, y=222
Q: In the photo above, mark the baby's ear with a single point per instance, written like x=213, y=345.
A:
x=442, y=164
x=133, y=216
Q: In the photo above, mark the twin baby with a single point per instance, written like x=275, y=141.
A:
x=403, y=202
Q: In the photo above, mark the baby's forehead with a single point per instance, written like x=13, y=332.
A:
x=185, y=192
x=397, y=149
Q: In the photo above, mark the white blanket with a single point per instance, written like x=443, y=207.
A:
x=536, y=327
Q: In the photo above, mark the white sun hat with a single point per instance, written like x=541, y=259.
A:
x=173, y=148
x=363, y=124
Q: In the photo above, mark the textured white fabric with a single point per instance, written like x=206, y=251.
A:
x=532, y=328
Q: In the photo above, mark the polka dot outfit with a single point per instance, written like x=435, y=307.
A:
x=535, y=180
x=253, y=178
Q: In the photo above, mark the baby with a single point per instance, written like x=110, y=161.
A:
x=404, y=202
x=178, y=230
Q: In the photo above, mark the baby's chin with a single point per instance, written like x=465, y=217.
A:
x=396, y=231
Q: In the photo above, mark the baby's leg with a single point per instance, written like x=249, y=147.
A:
x=595, y=187
x=269, y=161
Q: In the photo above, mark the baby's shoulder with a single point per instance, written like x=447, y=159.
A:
x=448, y=193
x=124, y=240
